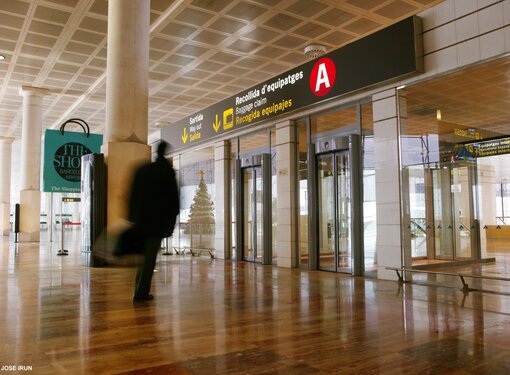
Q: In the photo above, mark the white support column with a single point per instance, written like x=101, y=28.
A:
x=127, y=80
x=5, y=184
x=286, y=172
x=387, y=177
x=223, y=200
x=30, y=193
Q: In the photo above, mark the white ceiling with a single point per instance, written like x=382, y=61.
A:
x=201, y=51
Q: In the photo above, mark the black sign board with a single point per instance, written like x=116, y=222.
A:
x=491, y=148
x=391, y=53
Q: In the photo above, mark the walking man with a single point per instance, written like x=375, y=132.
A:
x=153, y=207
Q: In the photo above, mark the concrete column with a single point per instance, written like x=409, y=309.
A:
x=286, y=169
x=223, y=200
x=30, y=193
x=389, y=246
x=127, y=92
x=5, y=184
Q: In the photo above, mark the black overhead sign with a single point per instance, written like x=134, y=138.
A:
x=491, y=148
x=391, y=53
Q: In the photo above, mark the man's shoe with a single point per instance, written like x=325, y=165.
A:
x=148, y=297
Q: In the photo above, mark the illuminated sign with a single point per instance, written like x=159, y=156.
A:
x=70, y=199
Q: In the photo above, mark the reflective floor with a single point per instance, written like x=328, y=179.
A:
x=215, y=317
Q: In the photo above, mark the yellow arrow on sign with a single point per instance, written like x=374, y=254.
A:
x=216, y=125
x=184, y=137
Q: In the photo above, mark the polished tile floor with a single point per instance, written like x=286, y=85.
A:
x=58, y=316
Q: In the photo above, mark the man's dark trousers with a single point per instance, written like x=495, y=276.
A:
x=146, y=268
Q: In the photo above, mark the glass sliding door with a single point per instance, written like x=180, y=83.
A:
x=255, y=189
x=326, y=208
x=343, y=213
x=334, y=160
x=334, y=207
x=259, y=215
x=443, y=221
x=252, y=214
x=417, y=211
x=455, y=227
x=463, y=215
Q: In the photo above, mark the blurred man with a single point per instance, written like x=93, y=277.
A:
x=153, y=207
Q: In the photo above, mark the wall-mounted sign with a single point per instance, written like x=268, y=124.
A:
x=394, y=52
x=62, y=159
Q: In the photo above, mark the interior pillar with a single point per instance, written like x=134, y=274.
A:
x=223, y=204
x=287, y=188
x=389, y=244
x=126, y=99
x=5, y=184
x=30, y=180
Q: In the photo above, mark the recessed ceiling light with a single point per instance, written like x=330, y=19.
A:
x=2, y=57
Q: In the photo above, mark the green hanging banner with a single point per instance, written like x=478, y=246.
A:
x=62, y=157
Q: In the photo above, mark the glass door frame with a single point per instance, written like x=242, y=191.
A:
x=257, y=162
x=455, y=224
x=333, y=231
x=252, y=216
x=442, y=211
x=351, y=144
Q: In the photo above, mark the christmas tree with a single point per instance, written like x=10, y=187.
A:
x=201, y=213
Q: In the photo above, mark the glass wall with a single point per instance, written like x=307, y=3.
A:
x=455, y=152
x=197, y=191
x=62, y=210
x=334, y=124
x=329, y=132
x=251, y=148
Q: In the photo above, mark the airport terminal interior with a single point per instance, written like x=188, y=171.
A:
x=254, y=279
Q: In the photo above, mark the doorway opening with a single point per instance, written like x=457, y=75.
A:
x=334, y=208
x=255, y=209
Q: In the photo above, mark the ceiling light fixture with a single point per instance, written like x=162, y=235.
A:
x=2, y=57
x=314, y=50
